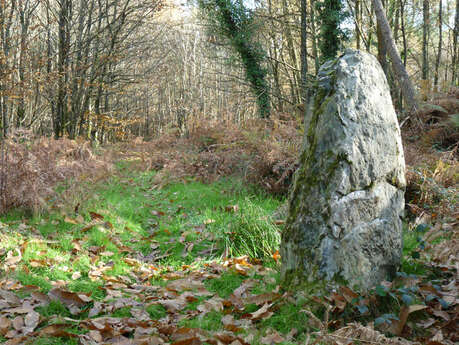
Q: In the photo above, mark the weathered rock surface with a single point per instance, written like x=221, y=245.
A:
x=348, y=194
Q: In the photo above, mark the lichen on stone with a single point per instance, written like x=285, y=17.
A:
x=349, y=186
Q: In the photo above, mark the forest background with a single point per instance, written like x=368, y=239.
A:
x=148, y=147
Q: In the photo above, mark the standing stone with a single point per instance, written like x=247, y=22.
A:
x=348, y=194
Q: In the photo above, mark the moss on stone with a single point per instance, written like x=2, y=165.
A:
x=306, y=177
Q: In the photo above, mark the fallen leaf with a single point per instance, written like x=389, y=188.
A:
x=213, y=304
x=69, y=220
x=272, y=338
x=232, y=208
x=12, y=259
x=56, y=330
x=10, y=297
x=96, y=216
x=18, y=323
x=5, y=325
x=262, y=298
x=95, y=335
x=398, y=325
x=276, y=256
x=31, y=321
x=261, y=313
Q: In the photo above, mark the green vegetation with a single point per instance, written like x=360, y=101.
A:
x=131, y=243
x=332, y=35
x=231, y=20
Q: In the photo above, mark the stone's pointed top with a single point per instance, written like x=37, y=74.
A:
x=347, y=199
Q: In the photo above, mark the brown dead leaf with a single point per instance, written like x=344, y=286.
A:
x=262, y=298
x=213, y=304
x=18, y=323
x=71, y=300
x=31, y=321
x=262, y=313
x=96, y=309
x=140, y=314
x=56, y=330
x=38, y=263
x=188, y=341
x=10, y=298
x=348, y=294
x=96, y=216
x=340, y=302
x=95, y=335
x=16, y=341
x=246, y=285
x=70, y=220
x=5, y=325
x=172, y=305
x=355, y=332
x=443, y=314
x=405, y=311
x=232, y=208
x=426, y=323
x=272, y=338
x=11, y=258
x=185, y=284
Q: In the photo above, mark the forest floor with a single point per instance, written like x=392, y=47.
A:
x=141, y=264
x=157, y=256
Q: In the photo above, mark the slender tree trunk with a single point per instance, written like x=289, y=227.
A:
x=63, y=62
x=402, y=17
x=6, y=20
x=455, y=47
x=304, y=52
x=357, y=20
x=440, y=39
x=399, y=70
x=314, y=36
x=291, y=50
x=382, y=53
x=425, y=38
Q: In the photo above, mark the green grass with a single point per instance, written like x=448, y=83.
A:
x=226, y=284
x=139, y=212
x=210, y=322
x=55, y=341
x=53, y=308
x=156, y=311
x=187, y=223
x=141, y=222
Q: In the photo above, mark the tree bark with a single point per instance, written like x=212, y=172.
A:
x=425, y=38
x=304, y=53
x=399, y=69
x=314, y=37
x=440, y=39
x=455, y=46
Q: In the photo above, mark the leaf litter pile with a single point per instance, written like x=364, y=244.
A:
x=176, y=286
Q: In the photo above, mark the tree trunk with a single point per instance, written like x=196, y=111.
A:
x=399, y=69
x=382, y=51
x=63, y=62
x=455, y=46
x=402, y=17
x=425, y=38
x=314, y=36
x=440, y=47
x=357, y=28
x=304, y=52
